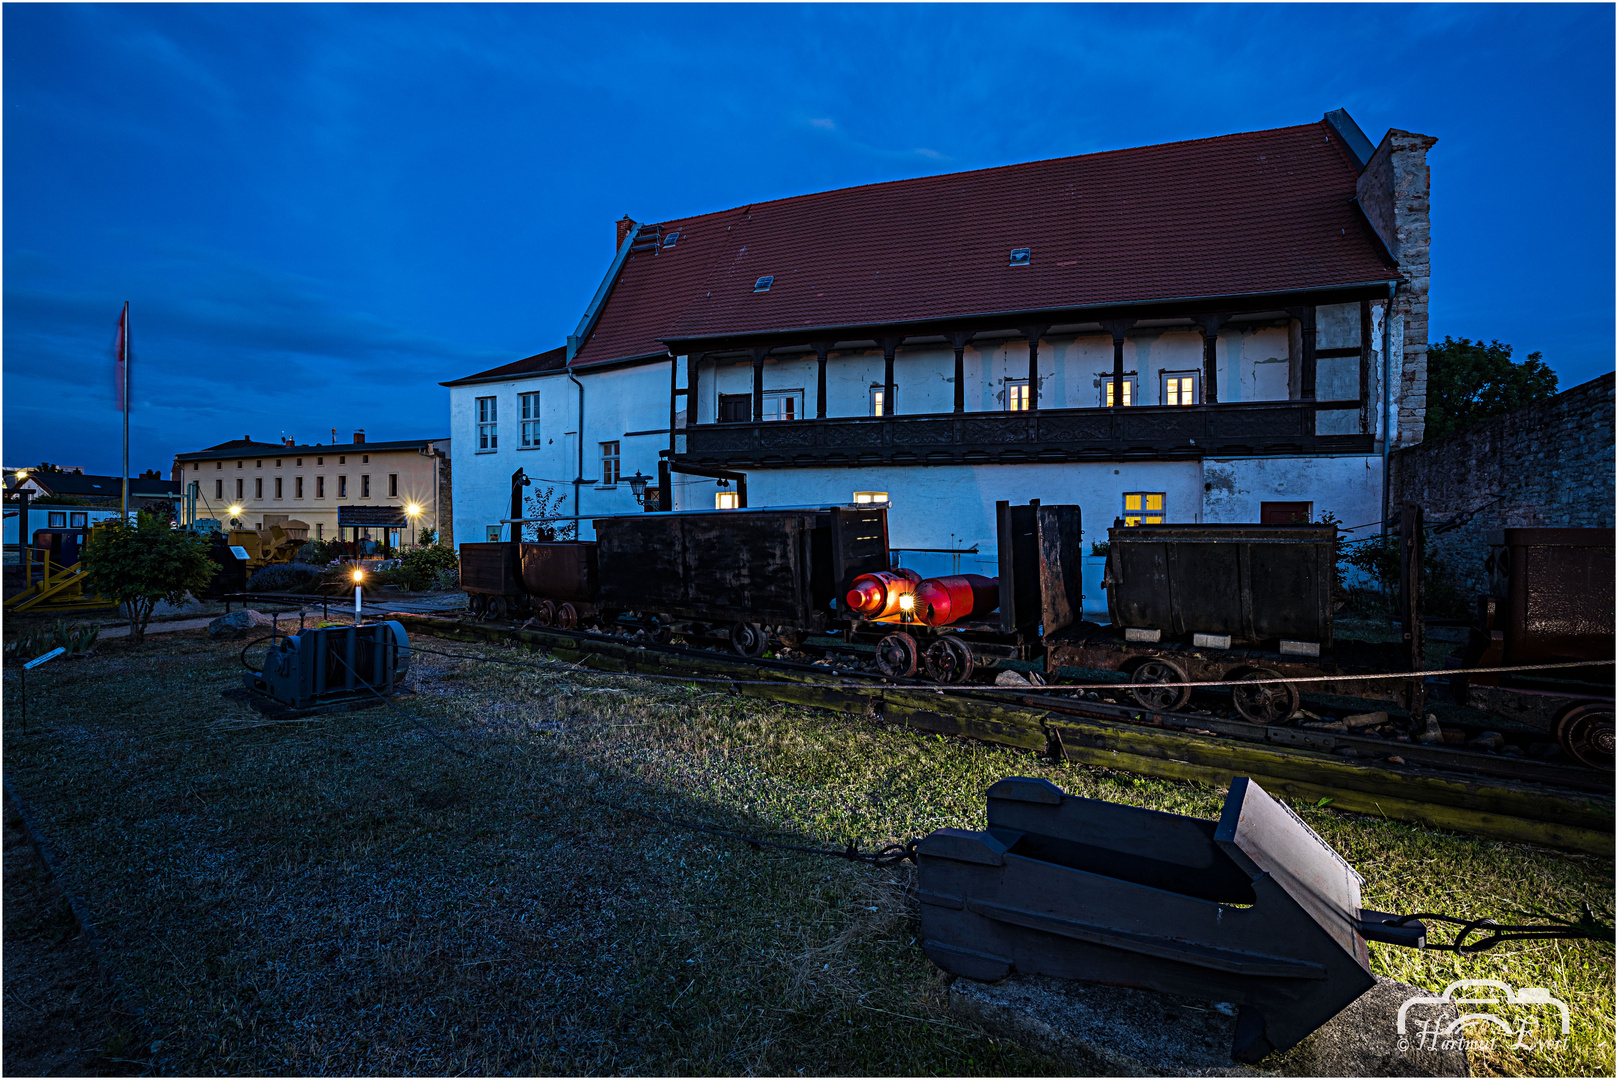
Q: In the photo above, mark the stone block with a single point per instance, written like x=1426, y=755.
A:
x=237, y=624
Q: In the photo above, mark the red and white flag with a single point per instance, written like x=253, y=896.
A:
x=121, y=362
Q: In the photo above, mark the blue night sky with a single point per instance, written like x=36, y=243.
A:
x=317, y=213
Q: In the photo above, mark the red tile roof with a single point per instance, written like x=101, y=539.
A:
x=554, y=360
x=1258, y=212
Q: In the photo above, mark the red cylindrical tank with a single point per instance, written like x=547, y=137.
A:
x=877, y=595
x=940, y=601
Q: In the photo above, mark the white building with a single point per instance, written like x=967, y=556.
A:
x=1223, y=330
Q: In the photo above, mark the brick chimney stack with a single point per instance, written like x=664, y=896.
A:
x=359, y=436
x=624, y=225
x=1395, y=192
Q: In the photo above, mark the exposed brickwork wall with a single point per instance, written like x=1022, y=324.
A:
x=1548, y=465
x=446, y=505
x=1395, y=191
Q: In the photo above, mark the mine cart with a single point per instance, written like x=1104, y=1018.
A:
x=1038, y=586
x=745, y=570
x=561, y=580
x=1550, y=601
x=1240, y=603
x=491, y=576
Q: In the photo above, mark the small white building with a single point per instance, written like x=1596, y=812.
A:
x=1223, y=330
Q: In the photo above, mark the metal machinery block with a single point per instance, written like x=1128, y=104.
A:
x=1254, y=909
x=333, y=664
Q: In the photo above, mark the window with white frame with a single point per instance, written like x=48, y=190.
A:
x=488, y=436
x=783, y=404
x=1143, y=508
x=726, y=500
x=1016, y=395
x=609, y=463
x=869, y=498
x=1179, y=388
x=530, y=420
x=1107, y=395
x=879, y=401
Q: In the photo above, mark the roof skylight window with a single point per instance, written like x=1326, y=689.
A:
x=763, y=284
x=671, y=239
x=1022, y=256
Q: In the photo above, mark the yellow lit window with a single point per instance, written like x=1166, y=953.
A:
x=1143, y=508
x=1180, y=388
x=1017, y=396
x=878, y=401
x=867, y=498
x=1107, y=392
x=726, y=500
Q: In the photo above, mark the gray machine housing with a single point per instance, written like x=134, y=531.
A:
x=1254, y=909
x=320, y=666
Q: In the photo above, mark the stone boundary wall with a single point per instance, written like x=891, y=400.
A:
x=1546, y=465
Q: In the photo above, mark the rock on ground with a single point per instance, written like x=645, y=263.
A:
x=237, y=624
x=1119, y=1031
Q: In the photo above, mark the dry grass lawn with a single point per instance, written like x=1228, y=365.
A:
x=447, y=889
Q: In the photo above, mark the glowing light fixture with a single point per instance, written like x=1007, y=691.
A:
x=869, y=498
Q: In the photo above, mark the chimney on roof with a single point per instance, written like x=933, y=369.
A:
x=359, y=436
x=624, y=225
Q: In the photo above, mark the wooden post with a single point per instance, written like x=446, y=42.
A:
x=691, y=362
x=960, y=339
x=889, y=346
x=1412, y=614
x=1117, y=327
x=1306, y=390
x=1210, y=357
x=1365, y=367
x=822, y=348
x=758, y=383
x=1033, y=334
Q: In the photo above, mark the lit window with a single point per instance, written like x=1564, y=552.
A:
x=783, y=404
x=1016, y=395
x=879, y=404
x=488, y=437
x=609, y=464
x=1143, y=507
x=1179, y=388
x=1107, y=395
x=867, y=498
x=530, y=420
x=726, y=500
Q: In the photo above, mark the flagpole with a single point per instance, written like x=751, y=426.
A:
x=126, y=411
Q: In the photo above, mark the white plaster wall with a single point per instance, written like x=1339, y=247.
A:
x=617, y=402
x=1349, y=486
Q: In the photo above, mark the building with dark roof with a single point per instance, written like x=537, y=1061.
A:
x=1224, y=329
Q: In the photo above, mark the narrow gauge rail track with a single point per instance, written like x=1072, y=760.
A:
x=1460, y=790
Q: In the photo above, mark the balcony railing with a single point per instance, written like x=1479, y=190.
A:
x=1143, y=432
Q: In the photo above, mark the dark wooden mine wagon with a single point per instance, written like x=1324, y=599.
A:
x=1039, y=555
x=562, y=581
x=1214, y=603
x=491, y=577
x=745, y=570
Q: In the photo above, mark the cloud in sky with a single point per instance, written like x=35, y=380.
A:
x=320, y=211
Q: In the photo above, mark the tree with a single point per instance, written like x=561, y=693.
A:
x=138, y=565
x=1468, y=381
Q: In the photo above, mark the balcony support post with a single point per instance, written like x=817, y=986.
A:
x=1210, y=356
x=822, y=348
x=1033, y=334
x=960, y=339
x=692, y=360
x=889, y=346
x=758, y=383
x=1117, y=328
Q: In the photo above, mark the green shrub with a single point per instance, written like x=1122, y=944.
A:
x=425, y=567
x=76, y=639
x=137, y=565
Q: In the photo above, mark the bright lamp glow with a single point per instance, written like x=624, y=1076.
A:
x=907, y=602
x=413, y=510
x=234, y=511
x=359, y=575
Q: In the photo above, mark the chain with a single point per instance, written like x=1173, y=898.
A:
x=1586, y=928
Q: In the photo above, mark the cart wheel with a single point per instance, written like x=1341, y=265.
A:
x=478, y=603
x=1154, y=686
x=567, y=617
x=545, y=613
x=497, y=607
x=1585, y=734
x=789, y=637
x=749, y=640
x=896, y=655
x=949, y=661
x=1265, y=704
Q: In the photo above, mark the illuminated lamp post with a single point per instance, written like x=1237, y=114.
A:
x=413, y=511
x=359, y=576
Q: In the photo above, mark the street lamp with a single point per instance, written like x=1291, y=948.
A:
x=359, y=576
x=413, y=511
x=235, y=511
x=637, y=484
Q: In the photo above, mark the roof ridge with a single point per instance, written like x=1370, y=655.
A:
x=907, y=180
